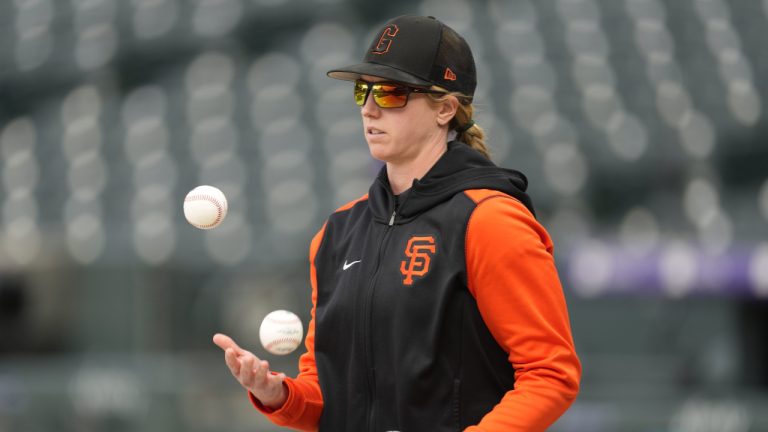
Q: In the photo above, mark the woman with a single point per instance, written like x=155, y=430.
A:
x=436, y=302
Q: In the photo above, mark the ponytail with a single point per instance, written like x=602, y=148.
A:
x=474, y=136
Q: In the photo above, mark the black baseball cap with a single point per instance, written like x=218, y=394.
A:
x=420, y=51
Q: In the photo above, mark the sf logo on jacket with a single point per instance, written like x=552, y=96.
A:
x=418, y=251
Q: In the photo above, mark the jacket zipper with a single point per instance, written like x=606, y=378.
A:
x=368, y=351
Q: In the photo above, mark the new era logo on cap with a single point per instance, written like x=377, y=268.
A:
x=449, y=75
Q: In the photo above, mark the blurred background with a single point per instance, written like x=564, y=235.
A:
x=641, y=125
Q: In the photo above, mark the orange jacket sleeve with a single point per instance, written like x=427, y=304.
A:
x=511, y=273
x=304, y=405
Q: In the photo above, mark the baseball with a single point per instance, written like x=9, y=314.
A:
x=205, y=207
x=281, y=332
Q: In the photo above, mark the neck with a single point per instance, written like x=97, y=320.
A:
x=402, y=174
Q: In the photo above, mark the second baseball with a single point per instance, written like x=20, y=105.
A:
x=281, y=332
x=205, y=207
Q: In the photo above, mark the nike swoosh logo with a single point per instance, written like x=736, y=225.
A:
x=348, y=265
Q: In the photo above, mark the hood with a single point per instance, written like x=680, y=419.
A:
x=460, y=168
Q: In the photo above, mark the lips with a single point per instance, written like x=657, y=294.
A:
x=373, y=131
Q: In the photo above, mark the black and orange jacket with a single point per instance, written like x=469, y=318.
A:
x=443, y=313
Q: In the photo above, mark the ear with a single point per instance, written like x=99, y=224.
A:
x=447, y=110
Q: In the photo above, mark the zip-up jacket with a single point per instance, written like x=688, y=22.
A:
x=439, y=311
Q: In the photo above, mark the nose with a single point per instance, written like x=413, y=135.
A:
x=370, y=109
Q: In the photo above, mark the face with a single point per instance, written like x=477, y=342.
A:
x=398, y=135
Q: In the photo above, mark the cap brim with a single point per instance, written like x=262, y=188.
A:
x=354, y=72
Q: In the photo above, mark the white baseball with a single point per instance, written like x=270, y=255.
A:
x=281, y=332
x=205, y=207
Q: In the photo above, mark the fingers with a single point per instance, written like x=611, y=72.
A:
x=268, y=378
x=246, y=371
x=233, y=362
x=223, y=341
x=260, y=372
x=252, y=372
x=263, y=372
x=243, y=364
x=276, y=378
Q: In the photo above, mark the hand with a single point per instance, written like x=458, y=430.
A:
x=253, y=373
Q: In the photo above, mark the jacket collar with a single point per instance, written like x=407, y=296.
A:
x=460, y=168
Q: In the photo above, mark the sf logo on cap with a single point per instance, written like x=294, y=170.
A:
x=386, y=38
x=419, y=250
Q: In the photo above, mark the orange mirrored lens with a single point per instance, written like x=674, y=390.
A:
x=389, y=96
x=384, y=95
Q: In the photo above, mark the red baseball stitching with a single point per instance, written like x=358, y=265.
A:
x=281, y=340
x=213, y=201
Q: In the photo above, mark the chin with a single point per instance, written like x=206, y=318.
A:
x=380, y=151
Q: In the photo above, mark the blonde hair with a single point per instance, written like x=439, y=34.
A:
x=475, y=135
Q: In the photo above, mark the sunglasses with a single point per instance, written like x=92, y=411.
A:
x=387, y=94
